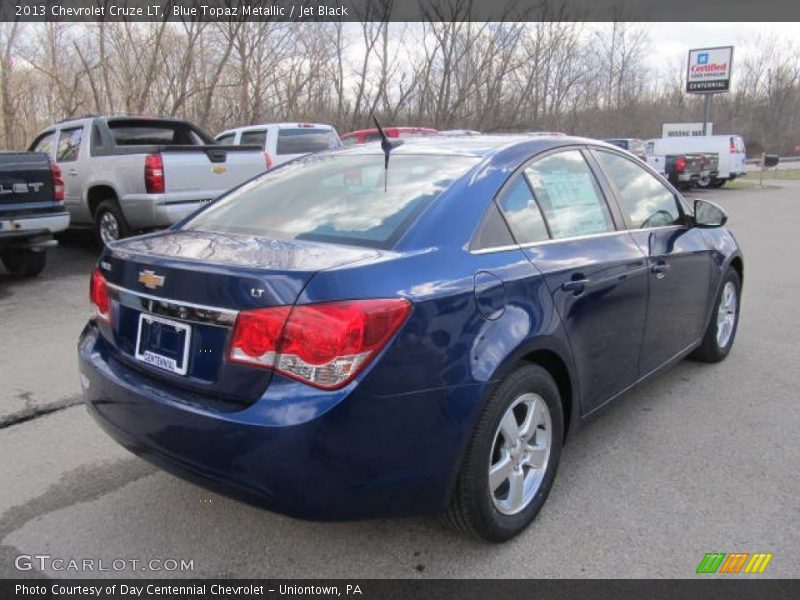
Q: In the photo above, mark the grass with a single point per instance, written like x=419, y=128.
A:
x=792, y=174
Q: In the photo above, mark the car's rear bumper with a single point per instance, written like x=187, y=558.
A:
x=34, y=224
x=362, y=457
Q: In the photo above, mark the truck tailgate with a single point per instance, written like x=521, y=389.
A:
x=25, y=181
x=210, y=170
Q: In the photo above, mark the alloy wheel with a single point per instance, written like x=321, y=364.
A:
x=520, y=454
x=726, y=314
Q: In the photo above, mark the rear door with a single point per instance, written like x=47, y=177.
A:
x=738, y=155
x=71, y=157
x=596, y=273
x=678, y=259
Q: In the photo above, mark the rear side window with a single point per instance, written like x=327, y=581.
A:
x=151, y=132
x=522, y=213
x=335, y=198
x=226, y=139
x=254, y=138
x=350, y=140
x=305, y=140
x=645, y=201
x=45, y=143
x=69, y=144
x=567, y=192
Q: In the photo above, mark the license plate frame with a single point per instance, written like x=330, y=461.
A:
x=151, y=357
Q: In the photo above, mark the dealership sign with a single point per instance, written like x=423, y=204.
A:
x=676, y=130
x=709, y=70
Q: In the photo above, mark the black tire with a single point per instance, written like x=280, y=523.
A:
x=705, y=183
x=23, y=262
x=472, y=509
x=718, y=183
x=109, y=209
x=710, y=350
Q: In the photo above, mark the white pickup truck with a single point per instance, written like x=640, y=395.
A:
x=126, y=174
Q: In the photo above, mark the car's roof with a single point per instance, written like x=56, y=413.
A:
x=478, y=145
x=293, y=125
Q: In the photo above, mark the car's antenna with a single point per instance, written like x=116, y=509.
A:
x=386, y=146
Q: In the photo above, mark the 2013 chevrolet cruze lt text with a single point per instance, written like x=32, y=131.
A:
x=335, y=340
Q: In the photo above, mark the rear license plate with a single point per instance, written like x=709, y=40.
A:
x=163, y=343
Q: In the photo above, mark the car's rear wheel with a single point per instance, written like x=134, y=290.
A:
x=718, y=183
x=23, y=262
x=109, y=223
x=512, y=458
x=721, y=331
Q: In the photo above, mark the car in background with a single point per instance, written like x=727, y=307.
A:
x=363, y=136
x=684, y=171
x=333, y=343
x=632, y=145
x=31, y=210
x=282, y=142
x=730, y=150
x=124, y=174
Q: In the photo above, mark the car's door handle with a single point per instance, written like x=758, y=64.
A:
x=73, y=172
x=575, y=285
x=660, y=269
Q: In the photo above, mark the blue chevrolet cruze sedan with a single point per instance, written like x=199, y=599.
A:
x=336, y=339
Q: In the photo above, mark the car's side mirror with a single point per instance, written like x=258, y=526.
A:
x=708, y=214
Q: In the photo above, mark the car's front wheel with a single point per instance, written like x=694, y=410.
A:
x=721, y=331
x=512, y=458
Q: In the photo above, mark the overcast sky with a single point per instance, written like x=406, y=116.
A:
x=671, y=40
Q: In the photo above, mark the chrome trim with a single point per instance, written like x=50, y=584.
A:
x=177, y=309
x=568, y=239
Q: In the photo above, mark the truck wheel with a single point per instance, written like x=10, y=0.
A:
x=718, y=183
x=705, y=182
x=512, y=459
x=109, y=223
x=23, y=262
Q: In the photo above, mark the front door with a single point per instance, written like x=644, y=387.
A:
x=679, y=263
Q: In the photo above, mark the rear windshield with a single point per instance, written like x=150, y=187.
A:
x=305, y=140
x=335, y=198
x=153, y=132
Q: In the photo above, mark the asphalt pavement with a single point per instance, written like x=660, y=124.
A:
x=703, y=459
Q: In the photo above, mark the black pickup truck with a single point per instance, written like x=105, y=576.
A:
x=31, y=210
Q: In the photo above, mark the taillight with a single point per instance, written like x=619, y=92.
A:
x=733, y=146
x=324, y=345
x=98, y=296
x=268, y=160
x=154, y=174
x=680, y=164
x=58, y=182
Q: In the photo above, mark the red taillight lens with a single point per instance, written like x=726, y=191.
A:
x=98, y=296
x=733, y=146
x=58, y=182
x=153, y=174
x=324, y=345
x=268, y=160
x=680, y=164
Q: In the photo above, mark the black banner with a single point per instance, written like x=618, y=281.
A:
x=399, y=589
x=398, y=10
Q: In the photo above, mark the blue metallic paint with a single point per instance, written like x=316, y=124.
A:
x=391, y=441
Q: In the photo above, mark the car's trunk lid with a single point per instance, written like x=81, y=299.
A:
x=202, y=279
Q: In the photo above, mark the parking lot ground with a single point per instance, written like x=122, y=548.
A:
x=702, y=459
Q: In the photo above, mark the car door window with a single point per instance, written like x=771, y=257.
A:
x=522, y=213
x=226, y=139
x=254, y=138
x=644, y=200
x=69, y=143
x=45, y=143
x=568, y=194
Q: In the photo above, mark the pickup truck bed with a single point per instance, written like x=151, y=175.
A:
x=129, y=174
x=30, y=210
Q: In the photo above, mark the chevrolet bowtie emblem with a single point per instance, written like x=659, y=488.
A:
x=151, y=280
